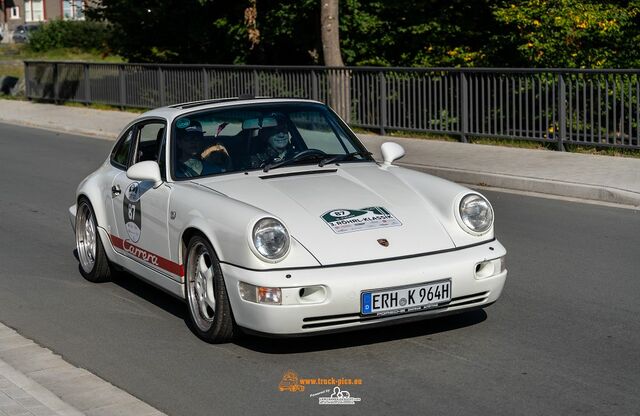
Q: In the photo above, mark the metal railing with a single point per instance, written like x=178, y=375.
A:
x=590, y=107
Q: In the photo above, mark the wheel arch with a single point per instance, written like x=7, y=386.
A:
x=191, y=231
x=92, y=188
x=98, y=208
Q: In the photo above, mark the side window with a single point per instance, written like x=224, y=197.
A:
x=120, y=154
x=150, y=139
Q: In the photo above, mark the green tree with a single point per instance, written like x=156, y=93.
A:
x=571, y=33
x=179, y=31
x=417, y=32
x=426, y=33
x=76, y=34
x=289, y=33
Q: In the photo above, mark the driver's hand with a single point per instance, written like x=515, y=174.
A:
x=214, y=149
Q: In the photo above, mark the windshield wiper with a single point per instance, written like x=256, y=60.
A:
x=342, y=158
x=297, y=158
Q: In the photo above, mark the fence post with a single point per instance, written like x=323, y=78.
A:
x=383, y=102
x=27, y=80
x=256, y=83
x=122, y=87
x=163, y=98
x=205, y=79
x=87, y=85
x=562, y=112
x=56, y=89
x=314, y=86
x=464, y=107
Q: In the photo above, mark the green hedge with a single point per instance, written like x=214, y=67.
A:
x=83, y=35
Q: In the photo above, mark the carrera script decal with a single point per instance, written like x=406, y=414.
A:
x=350, y=220
x=131, y=209
x=147, y=256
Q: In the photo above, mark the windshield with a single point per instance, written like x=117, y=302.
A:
x=261, y=136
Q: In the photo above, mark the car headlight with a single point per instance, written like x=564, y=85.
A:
x=270, y=239
x=476, y=214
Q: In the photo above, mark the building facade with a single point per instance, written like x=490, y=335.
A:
x=18, y=12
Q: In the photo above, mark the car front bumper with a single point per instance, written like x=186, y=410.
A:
x=339, y=308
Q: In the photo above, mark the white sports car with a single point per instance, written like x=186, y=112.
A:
x=268, y=215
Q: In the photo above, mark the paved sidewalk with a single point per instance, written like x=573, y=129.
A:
x=36, y=382
x=600, y=178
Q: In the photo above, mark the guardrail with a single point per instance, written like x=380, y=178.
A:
x=589, y=107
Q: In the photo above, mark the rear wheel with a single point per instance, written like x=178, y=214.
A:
x=207, y=299
x=94, y=265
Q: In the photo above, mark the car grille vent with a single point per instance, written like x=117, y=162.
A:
x=334, y=320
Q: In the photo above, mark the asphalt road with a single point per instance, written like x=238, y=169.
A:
x=563, y=339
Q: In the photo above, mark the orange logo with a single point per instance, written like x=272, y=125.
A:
x=290, y=382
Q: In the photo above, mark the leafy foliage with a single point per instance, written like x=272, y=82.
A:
x=289, y=33
x=180, y=31
x=417, y=33
x=81, y=35
x=572, y=33
x=525, y=33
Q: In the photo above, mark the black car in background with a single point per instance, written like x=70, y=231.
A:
x=22, y=32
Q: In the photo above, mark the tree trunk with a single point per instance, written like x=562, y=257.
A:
x=339, y=94
x=329, y=20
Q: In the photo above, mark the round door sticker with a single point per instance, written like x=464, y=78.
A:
x=340, y=213
x=132, y=212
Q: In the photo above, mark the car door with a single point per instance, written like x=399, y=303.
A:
x=140, y=210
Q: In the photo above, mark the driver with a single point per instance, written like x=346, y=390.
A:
x=279, y=146
x=192, y=161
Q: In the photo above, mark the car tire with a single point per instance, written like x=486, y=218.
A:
x=209, y=310
x=94, y=265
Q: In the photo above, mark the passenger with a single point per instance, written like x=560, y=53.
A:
x=279, y=146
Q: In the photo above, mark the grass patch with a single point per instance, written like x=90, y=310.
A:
x=107, y=107
x=69, y=54
x=409, y=134
x=96, y=106
x=517, y=143
x=603, y=151
x=521, y=144
x=11, y=97
x=79, y=105
x=12, y=69
x=19, y=52
x=12, y=55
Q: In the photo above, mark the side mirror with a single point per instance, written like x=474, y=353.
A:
x=390, y=152
x=145, y=171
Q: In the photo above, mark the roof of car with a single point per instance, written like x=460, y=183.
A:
x=175, y=110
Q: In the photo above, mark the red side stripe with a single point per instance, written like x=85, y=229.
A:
x=147, y=256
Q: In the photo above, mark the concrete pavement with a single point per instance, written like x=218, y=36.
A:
x=590, y=177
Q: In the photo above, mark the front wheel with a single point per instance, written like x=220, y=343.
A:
x=207, y=299
x=94, y=265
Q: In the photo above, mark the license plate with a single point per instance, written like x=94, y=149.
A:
x=405, y=299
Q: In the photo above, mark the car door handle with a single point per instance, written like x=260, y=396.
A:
x=115, y=191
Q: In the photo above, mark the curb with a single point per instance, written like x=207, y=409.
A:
x=44, y=396
x=65, y=389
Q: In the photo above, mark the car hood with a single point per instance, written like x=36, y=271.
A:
x=355, y=212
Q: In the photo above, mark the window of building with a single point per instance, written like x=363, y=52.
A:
x=73, y=9
x=14, y=12
x=34, y=10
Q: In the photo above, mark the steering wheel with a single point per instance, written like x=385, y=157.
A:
x=309, y=152
x=299, y=156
